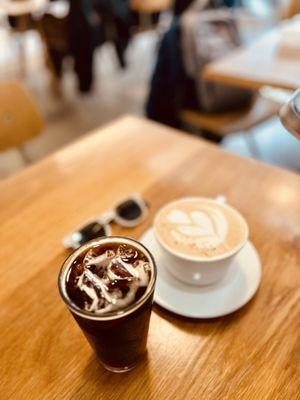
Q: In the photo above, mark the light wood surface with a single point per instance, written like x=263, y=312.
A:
x=20, y=118
x=251, y=354
x=151, y=6
x=15, y=8
x=256, y=65
x=223, y=124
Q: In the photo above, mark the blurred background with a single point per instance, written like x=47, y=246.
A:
x=70, y=66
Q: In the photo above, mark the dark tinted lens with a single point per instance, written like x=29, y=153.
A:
x=129, y=210
x=91, y=231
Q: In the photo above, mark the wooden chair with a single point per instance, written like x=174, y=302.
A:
x=151, y=6
x=290, y=8
x=223, y=124
x=20, y=119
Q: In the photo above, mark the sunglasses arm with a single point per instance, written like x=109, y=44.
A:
x=107, y=217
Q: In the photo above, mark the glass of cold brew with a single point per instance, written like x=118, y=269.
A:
x=108, y=286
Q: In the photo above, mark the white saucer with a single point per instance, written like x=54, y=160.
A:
x=211, y=301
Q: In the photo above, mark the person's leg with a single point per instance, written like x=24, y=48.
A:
x=180, y=6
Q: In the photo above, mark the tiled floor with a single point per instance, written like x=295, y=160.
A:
x=116, y=92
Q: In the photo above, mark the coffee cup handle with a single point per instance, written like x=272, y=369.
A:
x=221, y=199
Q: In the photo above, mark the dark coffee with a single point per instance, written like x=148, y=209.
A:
x=108, y=285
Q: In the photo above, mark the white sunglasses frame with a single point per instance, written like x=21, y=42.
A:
x=105, y=219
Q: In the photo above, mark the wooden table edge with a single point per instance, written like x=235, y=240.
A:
x=129, y=118
x=227, y=79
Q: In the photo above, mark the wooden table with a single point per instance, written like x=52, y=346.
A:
x=17, y=8
x=251, y=354
x=256, y=65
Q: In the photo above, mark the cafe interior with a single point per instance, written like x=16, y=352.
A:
x=84, y=65
x=107, y=104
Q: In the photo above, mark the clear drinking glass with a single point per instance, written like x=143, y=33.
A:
x=119, y=338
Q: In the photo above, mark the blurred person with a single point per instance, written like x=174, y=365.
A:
x=204, y=32
x=181, y=5
x=88, y=25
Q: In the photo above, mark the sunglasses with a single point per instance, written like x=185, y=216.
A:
x=128, y=213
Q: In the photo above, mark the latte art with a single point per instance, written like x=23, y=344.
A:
x=200, y=227
x=205, y=228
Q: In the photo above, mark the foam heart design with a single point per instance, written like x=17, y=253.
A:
x=205, y=227
x=194, y=230
x=204, y=221
x=178, y=217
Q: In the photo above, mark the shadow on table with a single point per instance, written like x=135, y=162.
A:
x=100, y=383
x=204, y=326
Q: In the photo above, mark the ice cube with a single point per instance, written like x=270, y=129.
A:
x=127, y=254
x=90, y=255
x=110, y=253
x=91, y=283
x=117, y=270
x=101, y=262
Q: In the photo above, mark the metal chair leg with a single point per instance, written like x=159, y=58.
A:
x=26, y=159
x=252, y=145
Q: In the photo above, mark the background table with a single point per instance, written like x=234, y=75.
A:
x=258, y=64
x=16, y=8
x=23, y=11
x=251, y=354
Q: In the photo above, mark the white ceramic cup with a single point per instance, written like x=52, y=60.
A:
x=195, y=270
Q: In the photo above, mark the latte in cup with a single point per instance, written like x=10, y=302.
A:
x=200, y=229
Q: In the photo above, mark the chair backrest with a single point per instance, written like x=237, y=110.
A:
x=151, y=6
x=20, y=118
x=290, y=8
